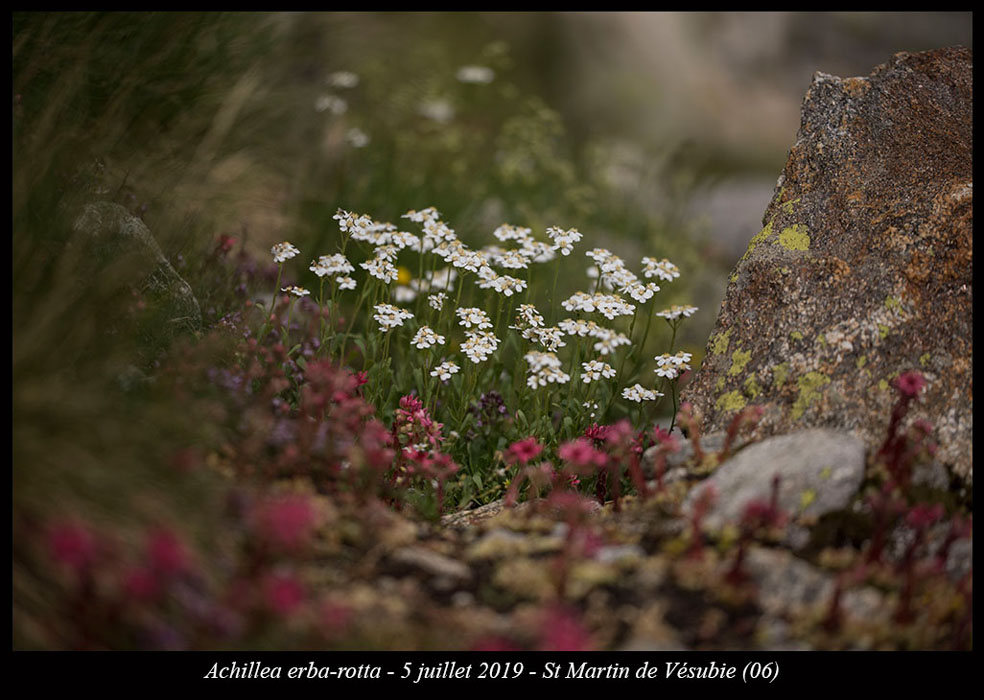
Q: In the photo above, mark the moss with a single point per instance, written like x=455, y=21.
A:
x=720, y=344
x=861, y=361
x=738, y=361
x=809, y=387
x=883, y=331
x=883, y=384
x=924, y=360
x=796, y=335
x=752, y=388
x=732, y=401
x=795, y=237
x=779, y=374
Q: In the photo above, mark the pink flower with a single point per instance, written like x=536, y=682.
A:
x=524, y=450
x=167, y=554
x=284, y=593
x=141, y=584
x=910, y=384
x=73, y=544
x=580, y=453
x=286, y=521
x=494, y=644
x=562, y=631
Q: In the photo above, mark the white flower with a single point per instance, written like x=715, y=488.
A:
x=342, y=79
x=296, y=291
x=551, y=337
x=345, y=282
x=595, y=369
x=357, y=138
x=638, y=393
x=669, y=370
x=479, y=346
x=436, y=301
x=284, y=251
x=331, y=103
x=428, y=214
x=403, y=294
x=508, y=232
x=381, y=269
x=440, y=111
x=331, y=265
x=473, y=317
x=442, y=279
x=444, y=371
x=563, y=240
x=476, y=74
x=540, y=360
x=389, y=316
x=675, y=312
x=608, y=340
x=425, y=338
x=592, y=406
x=641, y=292
x=663, y=269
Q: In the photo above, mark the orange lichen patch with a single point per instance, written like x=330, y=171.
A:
x=836, y=268
x=856, y=87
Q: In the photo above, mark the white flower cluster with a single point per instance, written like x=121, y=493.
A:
x=670, y=366
x=675, y=312
x=596, y=369
x=284, y=251
x=479, y=345
x=608, y=339
x=563, y=240
x=481, y=75
x=426, y=338
x=608, y=305
x=638, y=393
x=436, y=301
x=381, y=269
x=473, y=317
x=389, y=316
x=641, y=292
x=331, y=265
x=444, y=371
x=296, y=291
x=511, y=259
x=544, y=369
x=503, y=284
x=663, y=269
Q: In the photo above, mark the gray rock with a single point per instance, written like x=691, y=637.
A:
x=432, y=564
x=864, y=268
x=819, y=470
x=116, y=241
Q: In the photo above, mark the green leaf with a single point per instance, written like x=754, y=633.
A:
x=477, y=478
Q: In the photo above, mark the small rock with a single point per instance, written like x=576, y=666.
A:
x=432, y=564
x=819, y=471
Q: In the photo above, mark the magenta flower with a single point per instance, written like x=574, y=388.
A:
x=910, y=384
x=524, y=450
x=141, y=584
x=562, y=631
x=284, y=593
x=286, y=521
x=167, y=554
x=73, y=544
x=580, y=453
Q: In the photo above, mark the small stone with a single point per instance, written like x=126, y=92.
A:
x=819, y=471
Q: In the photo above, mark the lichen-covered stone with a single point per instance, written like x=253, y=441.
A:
x=115, y=239
x=863, y=269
